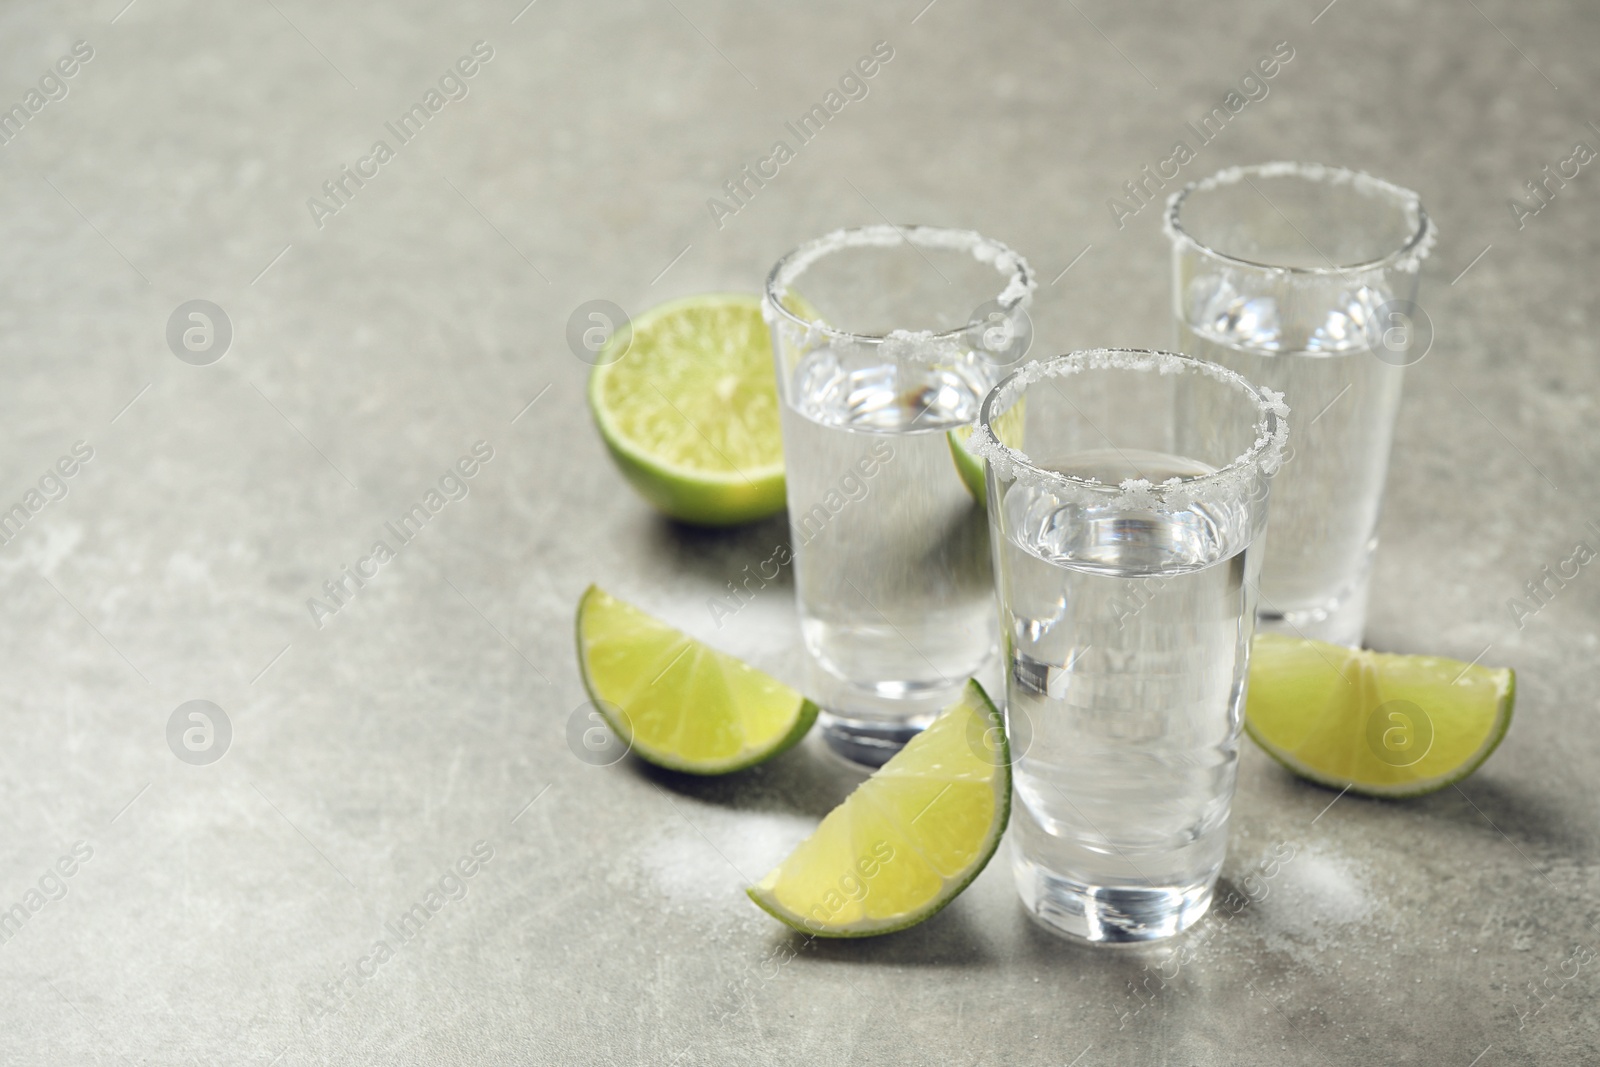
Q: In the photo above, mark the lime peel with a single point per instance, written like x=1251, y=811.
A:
x=676, y=702
x=1377, y=723
x=909, y=839
x=689, y=410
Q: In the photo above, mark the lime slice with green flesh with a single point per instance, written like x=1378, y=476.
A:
x=690, y=412
x=676, y=702
x=909, y=839
x=968, y=466
x=972, y=469
x=1381, y=724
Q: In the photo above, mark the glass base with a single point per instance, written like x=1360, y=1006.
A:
x=868, y=742
x=1339, y=622
x=866, y=724
x=1108, y=914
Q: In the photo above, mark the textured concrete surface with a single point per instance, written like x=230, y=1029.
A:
x=227, y=912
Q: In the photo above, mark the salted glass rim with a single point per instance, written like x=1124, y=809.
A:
x=1017, y=291
x=1408, y=257
x=1262, y=458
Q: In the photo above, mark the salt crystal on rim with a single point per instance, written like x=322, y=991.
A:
x=1408, y=258
x=1018, y=290
x=1263, y=457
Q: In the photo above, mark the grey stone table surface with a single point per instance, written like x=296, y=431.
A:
x=166, y=910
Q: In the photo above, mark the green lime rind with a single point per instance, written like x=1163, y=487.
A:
x=1419, y=788
x=973, y=469
x=804, y=720
x=1399, y=789
x=969, y=467
x=701, y=500
x=702, y=497
x=805, y=716
x=975, y=698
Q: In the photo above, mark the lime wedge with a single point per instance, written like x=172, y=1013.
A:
x=1384, y=725
x=690, y=411
x=674, y=701
x=909, y=839
x=968, y=466
x=971, y=468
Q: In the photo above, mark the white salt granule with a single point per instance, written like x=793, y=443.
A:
x=705, y=875
x=1264, y=456
x=1407, y=259
x=805, y=335
x=1318, y=901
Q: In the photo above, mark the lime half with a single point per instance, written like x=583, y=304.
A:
x=676, y=702
x=909, y=839
x=1380, y=724
x=690, y=411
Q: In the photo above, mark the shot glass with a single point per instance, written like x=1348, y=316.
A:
x=1303, y=278
x=1127, y=493
x=886, y=340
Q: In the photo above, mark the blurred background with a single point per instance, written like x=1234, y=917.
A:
x=383, y=312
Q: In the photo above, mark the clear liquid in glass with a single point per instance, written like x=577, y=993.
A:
x=1127, y=645
x=892, y=568
x=1327, y=496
